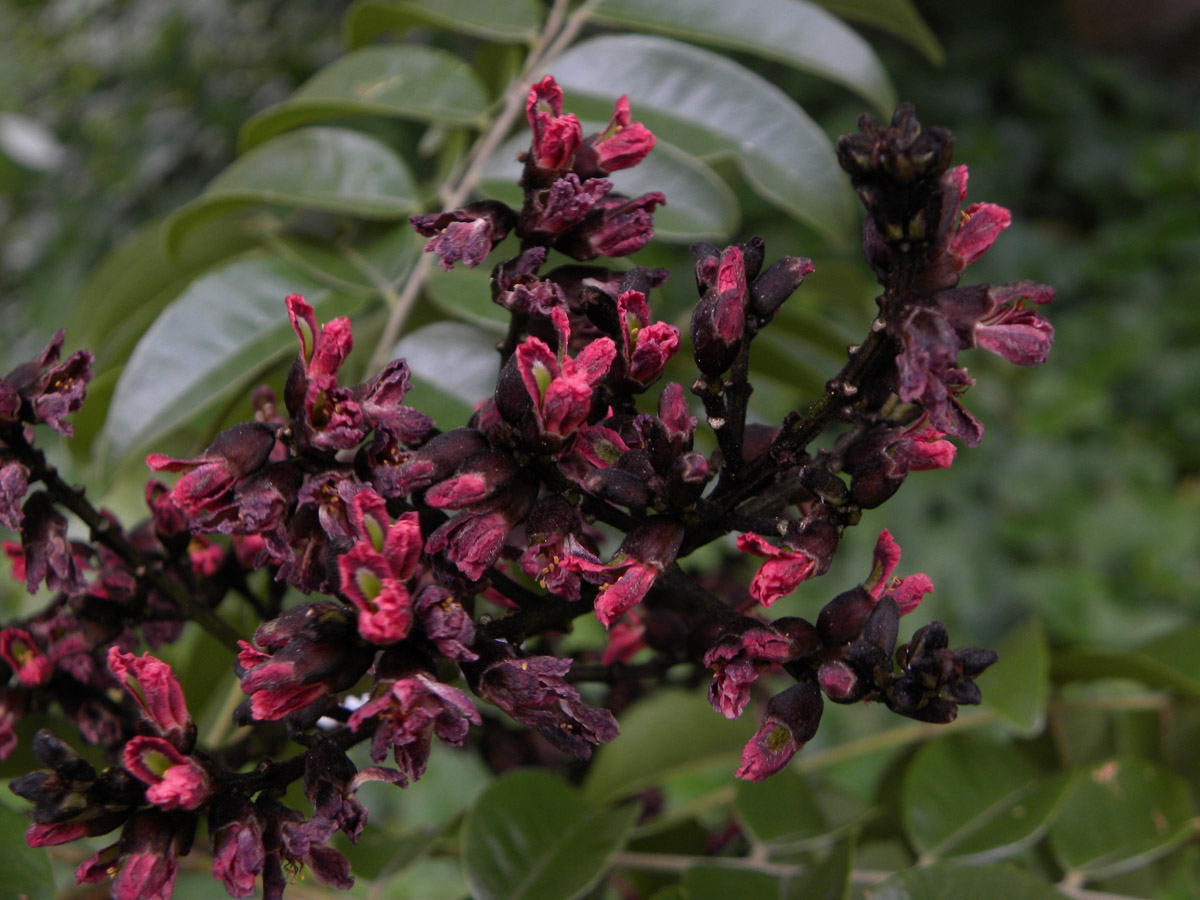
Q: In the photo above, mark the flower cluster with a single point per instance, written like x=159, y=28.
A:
x=428, y=557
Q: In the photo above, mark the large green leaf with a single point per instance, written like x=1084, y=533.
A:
x=955, y=881
x=409, y=81
x=786, y=813
x=672, y=732
x=24, y=871
x=715, y=107
x=710, y=882
x=1018, y=686
x=458, y=359
x=510, y=21
x=969, y=797
x=1120, y=815
x=224, y=329
x=330, y=169
x=898, y=17
x=700, y=205
x=795, y=32
x=1168, y=662
x=532, y=837
x=828, y=879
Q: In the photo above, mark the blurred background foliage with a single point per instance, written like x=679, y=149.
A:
x=1080, y=511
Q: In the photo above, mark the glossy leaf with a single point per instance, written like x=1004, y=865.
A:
x=667, y=734
x=1169, y=662
x=969, y=797
x=794, y=32
x=955, y=881
x=407, y=81
x=788, y=814
x=329, y=169
x=829, y=879
x=720, y=883
x=508, y=21
x=703, y=101
x=24, y=871
x=137, y=278
x=208, y=344
x=1018, y=686
x=1120, y=815
x=898, y=17
x=458, y=359
x=532, y=837
x=700, y=205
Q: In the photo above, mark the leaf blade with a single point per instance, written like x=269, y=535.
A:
x=410, y=81
x=531, y=837
x=801, y=34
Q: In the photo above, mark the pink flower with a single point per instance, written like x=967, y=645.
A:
x=907, y=591
x=383, y=602
x=791, y=722
x=23, y=655
x=1013, y=330
x=154, y=686
x=624, y=143
x=783, y=571
x=175, y=781
x=741, y=652
x=555, y=137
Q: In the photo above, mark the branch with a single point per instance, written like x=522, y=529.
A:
x=554, y=38
x=102, y=531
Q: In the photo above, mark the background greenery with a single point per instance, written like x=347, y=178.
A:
x=1070, y=538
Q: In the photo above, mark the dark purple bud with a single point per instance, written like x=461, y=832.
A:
x=436, y=461
x=777, y=283
x=841, y=620
x=753, y=255
x=466, y=234
x=49, y=556
x=619, y=487
x=840, y=682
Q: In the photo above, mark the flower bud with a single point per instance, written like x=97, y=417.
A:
x=791, y=722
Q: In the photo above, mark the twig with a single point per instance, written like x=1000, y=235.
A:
x=103, y=531
x=555, y=37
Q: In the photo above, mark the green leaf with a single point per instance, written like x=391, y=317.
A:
x=532, y=837
x=24, y=871
x=1018, y=686
x=973, y=798
x=330, y=169
x=898, y=17
x=1169, y=662
x=786, y=812
x=672, y=732
x=794, y=32
x=215, y=338
x=700, y=205
x=136, y=279
x=1120, y=815
x=829, y=879
x=955, y=881
x=408, y=81
x=719, y=883
x=506, y=21
x=459, y=359
x=716, y=108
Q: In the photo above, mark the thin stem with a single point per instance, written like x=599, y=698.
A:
x=557, y=34
x=104, y=532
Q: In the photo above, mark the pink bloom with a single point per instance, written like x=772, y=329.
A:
x=741, y=652
x=384, y=604
x=978, y=229
x=555, y=137
x=322, y=350
x=790, y=722
x=234, y=454
x=154, y=686
x=783, y=571
x=1011, y=329
x=907, y=591
x=624, y=143
x=624, y=640
x=559, y=386
x=23, y=655
x=411, y=711
x=175, y=781
x=466, y=234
